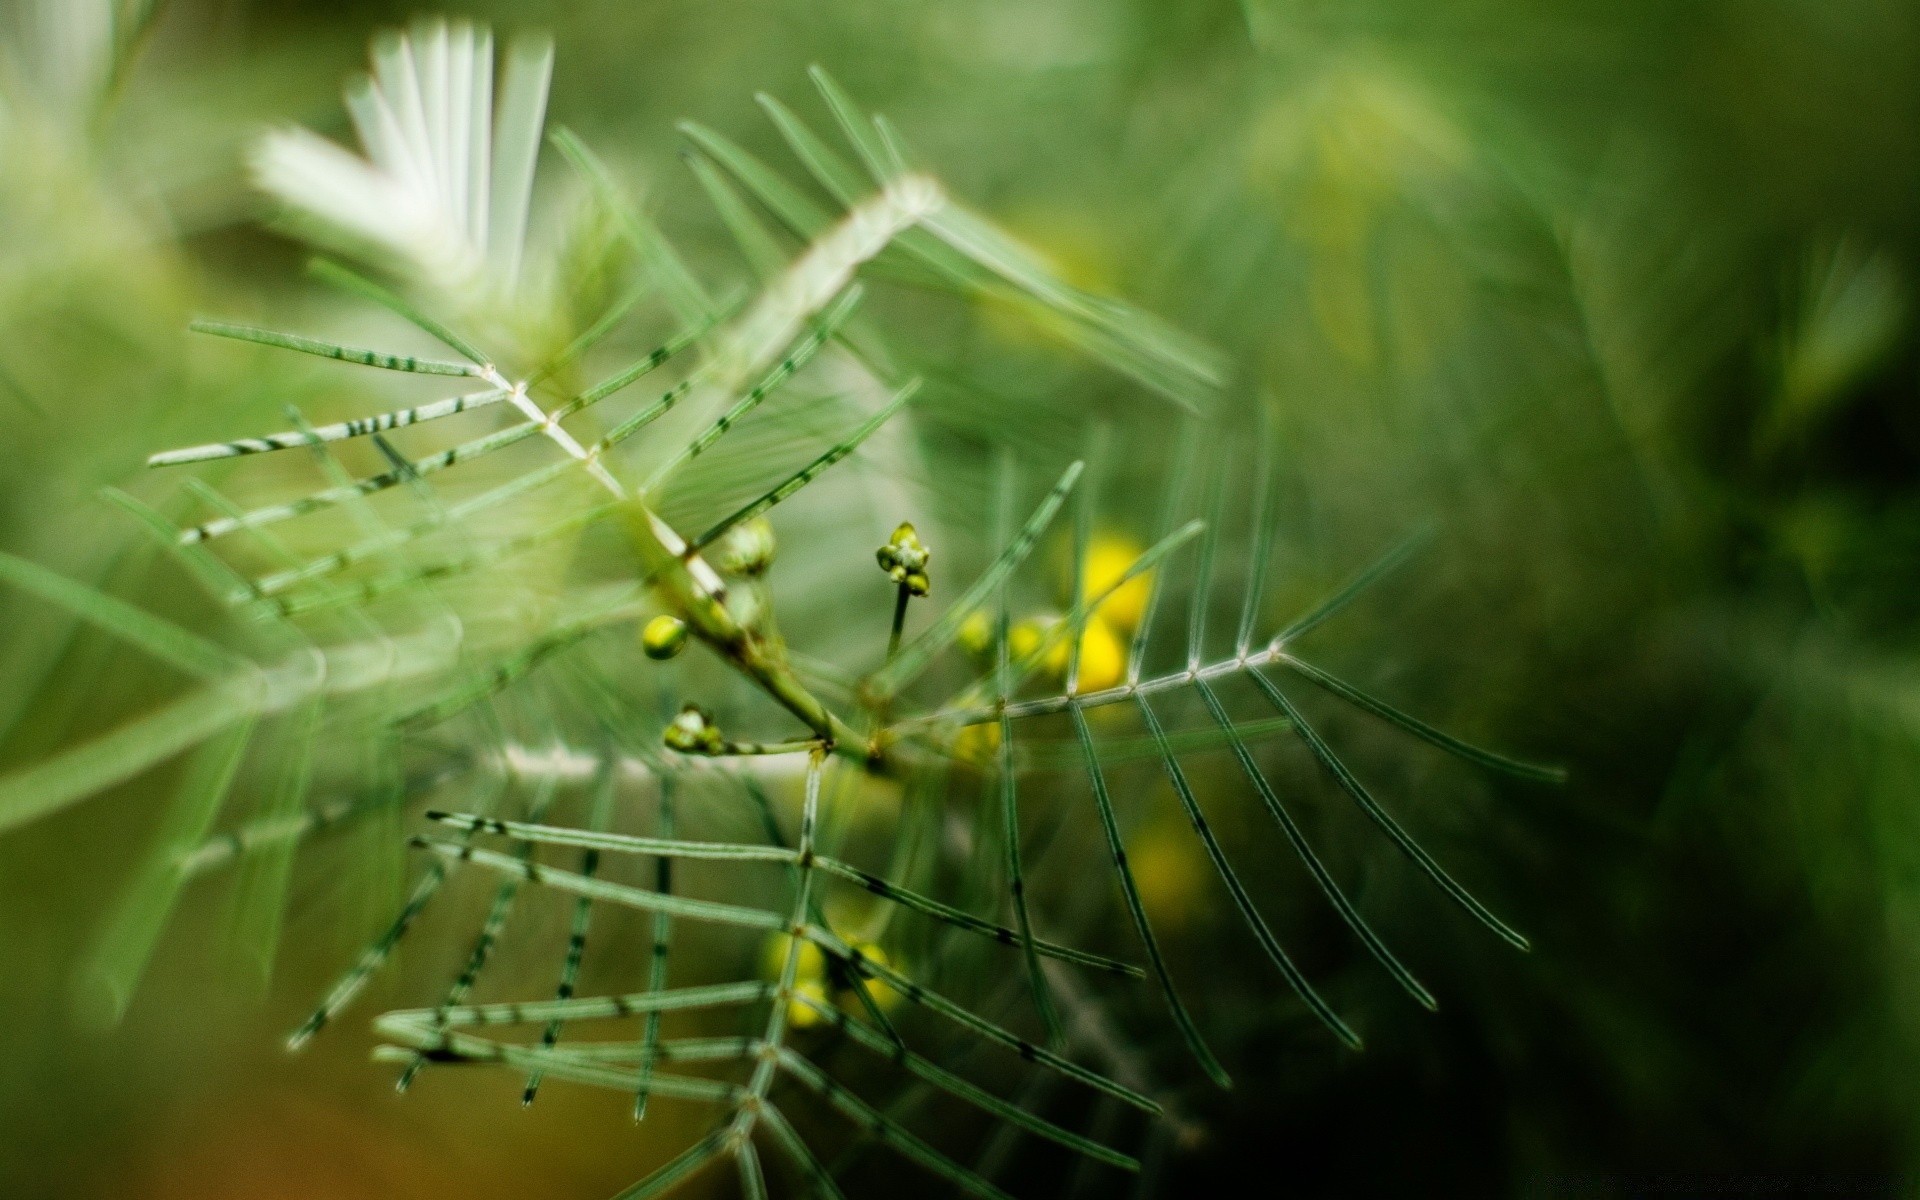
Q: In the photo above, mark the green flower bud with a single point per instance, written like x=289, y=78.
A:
x=663, y=637
x=904, y=559
x=693, y=732
x=748, y=548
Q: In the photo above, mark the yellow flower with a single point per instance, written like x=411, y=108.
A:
x=976, y=634
x=1170, y=870
x=1103, y=656
x=809, y=976
x=1027, y=636
x=1103, y=650
x=1104, y=640
x=882, y=993
x=978, y=743
x=1108, y=557
x=812, y=981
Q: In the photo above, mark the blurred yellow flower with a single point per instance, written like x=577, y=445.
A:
x=976, y=634
x=1169, y=869
x=1108, y=557
x=1028, y=636
x=978, y=743
x=882, y=993
x=809, y=977
x=812, y=981
x=1103, y=656
x=1104, y=641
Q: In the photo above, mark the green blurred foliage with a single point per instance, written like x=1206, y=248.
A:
x=1620, y=296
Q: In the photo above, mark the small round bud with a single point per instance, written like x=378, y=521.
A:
x=693, y=732
x=748, y=548
x=904, y=559
x=663, y=637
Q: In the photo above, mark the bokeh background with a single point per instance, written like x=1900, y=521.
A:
x=1618, y=296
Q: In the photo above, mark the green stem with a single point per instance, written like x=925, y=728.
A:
x=743, y=749
x=701, y=601
x=899, y=621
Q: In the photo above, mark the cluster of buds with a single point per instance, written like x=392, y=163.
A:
x=693, y=732
x=904, y=559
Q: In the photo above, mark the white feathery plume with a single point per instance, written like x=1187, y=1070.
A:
x=447, y=176
x=827, y=266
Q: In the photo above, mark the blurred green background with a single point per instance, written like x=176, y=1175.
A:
x=1618, y=296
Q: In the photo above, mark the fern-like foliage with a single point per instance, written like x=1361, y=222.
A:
x=440, y=629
